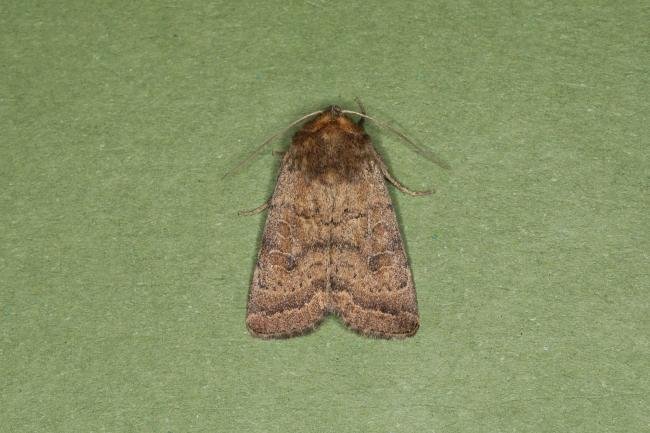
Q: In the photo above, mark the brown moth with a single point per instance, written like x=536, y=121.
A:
x=331, y=242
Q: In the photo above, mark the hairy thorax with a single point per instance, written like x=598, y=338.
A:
x=336, y=151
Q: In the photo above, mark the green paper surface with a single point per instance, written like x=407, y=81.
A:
x=124, y=267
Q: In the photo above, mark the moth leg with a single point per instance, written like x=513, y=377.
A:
x=398, y=184
x=362, y=110
x=255, y=211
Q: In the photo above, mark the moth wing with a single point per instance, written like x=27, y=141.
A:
x=372, y=286
x=288, y=293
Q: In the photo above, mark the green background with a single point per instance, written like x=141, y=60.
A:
x=124, y=268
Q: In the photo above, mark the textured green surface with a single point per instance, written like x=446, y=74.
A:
x=124, y=268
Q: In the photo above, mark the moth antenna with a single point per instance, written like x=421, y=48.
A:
x=418, y=148
x=362, y=109
x=259, y=149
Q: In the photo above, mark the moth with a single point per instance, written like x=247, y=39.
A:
x=331, y=243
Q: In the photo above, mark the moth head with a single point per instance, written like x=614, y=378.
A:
x=334, y=110
x=333, y=119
